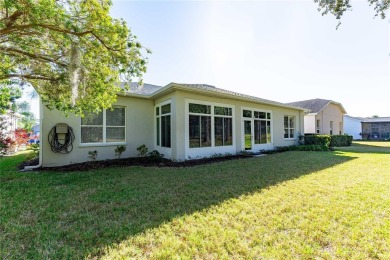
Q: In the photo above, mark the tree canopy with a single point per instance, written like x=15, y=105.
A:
x=72, y=52
x=339, y=7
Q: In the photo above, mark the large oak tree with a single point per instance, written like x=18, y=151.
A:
x=71, y=51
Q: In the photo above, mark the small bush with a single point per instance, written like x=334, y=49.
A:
x=92, y=155
x=142, y=150
x=155, y=156
x=119, y=150
x=341, y=140
x=35, y=149
x=321, y=140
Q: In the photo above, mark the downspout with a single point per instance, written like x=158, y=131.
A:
x=29, y=168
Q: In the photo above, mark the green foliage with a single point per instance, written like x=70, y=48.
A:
x=119, y=150
x=339, y=7
x=322, y=140
x=8, y=95
x=92, y=155
x=155, y=156
x=73, y=53
x=341, y=140
x=142, y=150
x=35, y=151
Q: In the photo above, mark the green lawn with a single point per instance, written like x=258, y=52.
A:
x=281, y=206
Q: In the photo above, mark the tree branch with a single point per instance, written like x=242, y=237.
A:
x=27, y=76
x=31, y=55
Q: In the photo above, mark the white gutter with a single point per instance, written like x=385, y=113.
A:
x=30, y=168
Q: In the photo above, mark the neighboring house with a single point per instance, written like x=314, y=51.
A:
x=181, y=121
x=376, y=128
x=9, y=122
x=324, y=116
x=353, y=126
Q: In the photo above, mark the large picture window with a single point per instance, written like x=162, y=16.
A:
x=205, y=118
x=289, y=127
x=108, y=126
x=163, y=125
x=262, y=124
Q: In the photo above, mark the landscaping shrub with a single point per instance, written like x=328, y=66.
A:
x=155, y=156
x=341, y=140
x=321, y=140
x=142, y=150
x=119, y=150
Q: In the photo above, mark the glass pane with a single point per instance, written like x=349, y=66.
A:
x=218, y=131
x=194, y=133
x=291, y=133
x=257, y=131
x=263, y=130
x=115, y=117
x=92, y=119
x=260, y=115
x=165, y=131
x=115, y=134
x=285, y=133
x=223, y=111
x=247, y=113
x=248, y=135
x=166, y=109
x=157, y=111
x=268, y=132
x=227, y=131
x=268, y=115
x=286, y=122
x=158, y=130
x=291, y=119
x=91, y=134
x=197, y=108
x=205, y=123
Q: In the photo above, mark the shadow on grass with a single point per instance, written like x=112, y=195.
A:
x=74, y=215
x=367, y=147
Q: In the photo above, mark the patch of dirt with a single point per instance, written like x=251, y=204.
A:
x=138, y=161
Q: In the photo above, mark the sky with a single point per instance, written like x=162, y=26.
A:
x=279, y=50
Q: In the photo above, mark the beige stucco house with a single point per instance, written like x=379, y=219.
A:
x=323, y=116
x=181, y=121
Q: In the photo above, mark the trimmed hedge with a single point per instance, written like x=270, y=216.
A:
x=321, y=140
x=341, y=140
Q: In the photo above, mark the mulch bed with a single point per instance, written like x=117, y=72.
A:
x=127, y=162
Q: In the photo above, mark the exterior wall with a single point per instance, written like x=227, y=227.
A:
x=353, y=126
x=182, y=150
x=330, y=113
x=139, y=130
x=310, y=124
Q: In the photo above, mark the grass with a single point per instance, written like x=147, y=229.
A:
x=287, y=205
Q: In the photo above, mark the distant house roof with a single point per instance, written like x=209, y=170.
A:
x=376, y=120
x=144, y=89
x=152, y=91
x=316, y=105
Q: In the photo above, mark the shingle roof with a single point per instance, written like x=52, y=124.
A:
x=314, y=105
x=144, y=89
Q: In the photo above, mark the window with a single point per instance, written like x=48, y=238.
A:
x=163, y=125
x=331, y=128
x=318, y=126
x=108, y=126
x=289, y=126
x=340, y=128
x=199, y=125
x=205, y=118
x=262, y=124
x=223, y=126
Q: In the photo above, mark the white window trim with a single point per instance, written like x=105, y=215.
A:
x=105, y=143
x=289, y=128
x=252, y=119
x=206, y=151
x=159, y=105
